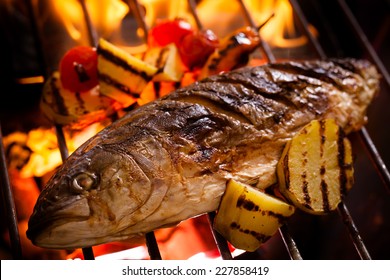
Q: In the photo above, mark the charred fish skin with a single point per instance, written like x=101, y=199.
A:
x=170, y=160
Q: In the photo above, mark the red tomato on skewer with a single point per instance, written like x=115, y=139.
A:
x=195, y=48
x=78, y=69
x=169, y=31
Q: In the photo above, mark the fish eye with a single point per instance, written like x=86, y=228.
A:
x=83, y=181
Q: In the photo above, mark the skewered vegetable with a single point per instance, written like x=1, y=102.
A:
x=196, y=47
x=77, y=109
x=78, y=68
x=169, y=31
x=315, y=170
x=121, y=75
x=168, y=62
x=248, y=217
x=233, y=52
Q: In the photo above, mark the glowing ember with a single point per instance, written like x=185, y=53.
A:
x=36, y=153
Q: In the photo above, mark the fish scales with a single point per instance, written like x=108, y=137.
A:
x=169, y=160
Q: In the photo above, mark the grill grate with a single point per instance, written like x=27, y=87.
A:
x=221, y=243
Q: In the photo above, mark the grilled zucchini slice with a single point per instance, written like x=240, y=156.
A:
x=316, y=167
x=248, y=217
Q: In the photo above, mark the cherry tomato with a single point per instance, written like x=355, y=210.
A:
x=169, y=31
x=78, y=69
x=196, y=47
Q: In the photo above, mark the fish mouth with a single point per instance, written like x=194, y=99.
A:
x=50, y=228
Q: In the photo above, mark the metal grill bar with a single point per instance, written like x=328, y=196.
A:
x=136, y=10
x=192, y=5
x=375, y=157
x=9, y=204
x=364, y=40
x=92, y=34
x=357, y=240
x=263, y=45
x=289, y=243
x=152, y=245
x=221, y=242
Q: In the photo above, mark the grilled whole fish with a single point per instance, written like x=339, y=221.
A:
x=170, y=159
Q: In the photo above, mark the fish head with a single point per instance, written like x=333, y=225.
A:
x=97, y=192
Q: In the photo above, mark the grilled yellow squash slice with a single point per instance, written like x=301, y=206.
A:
x=248, y=217
x=121, y=75
x=316, y=168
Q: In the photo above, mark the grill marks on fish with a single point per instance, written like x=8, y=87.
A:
x=266, y=97
x=325, y=72
x=215, y=107
x=236, y=101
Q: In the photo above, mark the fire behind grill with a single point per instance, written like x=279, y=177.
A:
x=334, y=236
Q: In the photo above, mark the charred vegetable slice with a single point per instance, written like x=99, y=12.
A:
x=233, y=52
x=121, y=75
x=248, y=217
x=167, y=60
x=315, y=170
x=77, y=109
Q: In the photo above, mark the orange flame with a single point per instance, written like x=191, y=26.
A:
x=41, y=144
x=280, y=31
x=106, y=16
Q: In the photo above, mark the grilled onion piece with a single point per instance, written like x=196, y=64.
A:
x=315, y=170
x=248, y=217
x=167, y=60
